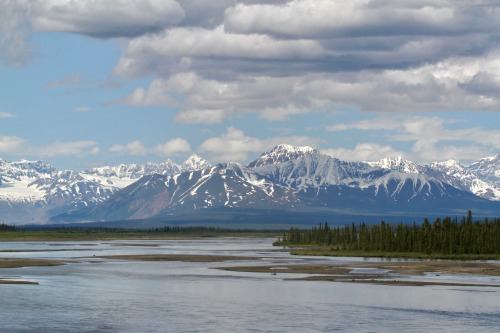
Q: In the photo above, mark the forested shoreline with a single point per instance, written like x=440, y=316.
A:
x=35, y=233
x=6, y=227
x=447, y=236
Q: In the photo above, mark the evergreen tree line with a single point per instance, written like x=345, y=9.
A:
x=101, y=230
x=6, y=227
x=197, y=229
x=443, y=236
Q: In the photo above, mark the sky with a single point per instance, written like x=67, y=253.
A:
x=103, y=82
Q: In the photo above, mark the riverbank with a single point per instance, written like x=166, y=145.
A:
x=24, y=262
x=74, y=234
x=178, y=257
x=397, y=273
x=332, y=252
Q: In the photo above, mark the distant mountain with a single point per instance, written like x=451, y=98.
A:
x=315, y=170
x=281, y=153
x=193, y=163
x=481, y=178
x=285, y=182
x=228, y=185
x=291, y=179
x=134, y=171
x=32, y=191
x=398, y=164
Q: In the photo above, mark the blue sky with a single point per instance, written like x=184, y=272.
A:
x=91, y=83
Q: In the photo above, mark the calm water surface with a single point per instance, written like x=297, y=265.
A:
x=95, y=295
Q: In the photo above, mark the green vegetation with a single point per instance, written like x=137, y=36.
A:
x=445, y=238
x=12, y=233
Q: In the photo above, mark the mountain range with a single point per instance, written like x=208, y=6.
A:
x=285, y=183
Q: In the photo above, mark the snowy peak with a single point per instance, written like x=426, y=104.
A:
x=452, y=168
x=25, y=169
x=450, y=165
x=397, y=164
x=481, y=178
x=282, y=153
x=282, y=178
x=487, y=169
x=134, y=171
x=193, y=163
x=314, y=170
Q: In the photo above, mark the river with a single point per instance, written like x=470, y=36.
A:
x=110, y=295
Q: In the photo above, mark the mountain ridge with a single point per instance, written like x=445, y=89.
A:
x=284, y=178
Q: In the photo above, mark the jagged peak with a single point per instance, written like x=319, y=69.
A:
x=33, y=168
x=450, y=164
x=290, y=148
x=193, y=163
x=282, y=153
x=397, y=163
x=489, y=159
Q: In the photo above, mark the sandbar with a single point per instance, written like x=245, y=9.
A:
x=7, y=281
x=178, y=257
x=23, y=262
x=26, y=262
x=348, y=273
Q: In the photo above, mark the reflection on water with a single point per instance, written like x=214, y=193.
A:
x=95, y=295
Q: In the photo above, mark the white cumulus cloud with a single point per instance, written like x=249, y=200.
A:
x=75, y=148
x=235, y=145
x=11, y=144
x=366, y=151
x=6, y=115
x=431, y=138
x=137, y=148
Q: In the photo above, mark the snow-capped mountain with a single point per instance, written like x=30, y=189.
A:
x=32, y=189
x=290, y=179
x=481, y=178
x=193, y=163
x=284, y=179
x=17, y=178
x=487, y=169
x=281, y=153
x=398, y=164
x=72, y=190
x=313, y=170
x=135, y=171
x=25, y=169
x=229, y=185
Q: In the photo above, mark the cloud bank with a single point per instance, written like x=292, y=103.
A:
x=279, y=60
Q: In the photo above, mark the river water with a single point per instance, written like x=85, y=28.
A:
x=109, y=295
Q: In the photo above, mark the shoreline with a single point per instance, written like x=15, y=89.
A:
x=82, y=235
x=392, y=273
x=24, y=262
x=177, y=257
x=397, y=271
x=328, y=252
x=8, y=281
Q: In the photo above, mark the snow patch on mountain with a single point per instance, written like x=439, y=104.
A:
x=394, y=182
